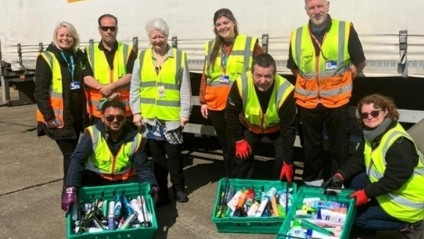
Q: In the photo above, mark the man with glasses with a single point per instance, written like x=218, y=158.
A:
x=325, y=56
x=108, y=73
x=111, y=151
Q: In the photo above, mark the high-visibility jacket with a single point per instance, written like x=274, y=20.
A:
x=406, y=203
x=326, y=78
x=160, y=92
x=56, y=89
x=105, y=164
x=239, y=61
x=253, y=117
x=104, y=75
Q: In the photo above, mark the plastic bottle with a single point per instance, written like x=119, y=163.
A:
x=118, y=206
x=128, y=221
x=232, y=204
x=229, y=194
x=272, y=191
x=296, y=231
x=111, y=216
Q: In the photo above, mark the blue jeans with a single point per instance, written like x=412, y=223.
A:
x=371, y=216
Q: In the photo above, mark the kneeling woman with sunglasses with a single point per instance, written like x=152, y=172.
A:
x=387, y=172
x=111, y=151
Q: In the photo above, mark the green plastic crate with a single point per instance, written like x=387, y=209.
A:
x=260, y=225
x=90, y=194
x=307, y=192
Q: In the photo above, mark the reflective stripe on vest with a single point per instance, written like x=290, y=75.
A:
x=104, y=75
x=55, y=89
x=325, y=79
x=104, y=163
x=164, y=105
x=253, y=117
x=406, y=203
x=239, y=61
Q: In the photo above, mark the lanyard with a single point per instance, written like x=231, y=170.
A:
x=319, y=44
x=71, y=66
x=224, y=59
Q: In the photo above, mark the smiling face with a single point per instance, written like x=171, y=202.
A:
x=64, y=38
x=317, y=11
x=158, y=40
x=224, y=27
x=372, y=117
x=113, y=119
x=263, y=77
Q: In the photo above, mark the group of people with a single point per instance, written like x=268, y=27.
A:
x=126, y=103
x=136, y=102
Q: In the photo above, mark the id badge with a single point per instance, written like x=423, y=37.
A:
x=330, y=65
x=75, y=85
x=225, y=79
x=161, y=91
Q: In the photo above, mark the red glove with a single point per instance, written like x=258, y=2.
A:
x=360, y=196
x=286, y=172
x=69, y=197
x=243, y=149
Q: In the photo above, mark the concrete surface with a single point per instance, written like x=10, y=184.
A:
x=30, y=185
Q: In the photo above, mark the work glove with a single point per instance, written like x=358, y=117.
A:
x=336, y=181
x=69, y=197
x=360, y=196
x=155, y=193
x=243, y=149
x=286, y=172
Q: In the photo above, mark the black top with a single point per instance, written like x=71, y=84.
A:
x=401, y=159
x=73, y=99
x=354, y=45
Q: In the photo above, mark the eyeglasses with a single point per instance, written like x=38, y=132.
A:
x=111, y=118
x=374, y=114
x=105, y=28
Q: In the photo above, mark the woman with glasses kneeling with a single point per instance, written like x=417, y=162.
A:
x=160, y=96
x=387, y=172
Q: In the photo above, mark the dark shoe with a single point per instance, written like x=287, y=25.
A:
x=163, y=201
x=414, y=231
x=181, y=196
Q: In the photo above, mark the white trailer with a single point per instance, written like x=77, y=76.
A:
x=390, y=30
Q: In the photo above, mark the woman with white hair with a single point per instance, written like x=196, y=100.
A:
x=59, y=91
x=160, y=97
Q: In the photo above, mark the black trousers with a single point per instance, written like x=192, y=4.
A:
x=167, y=158
x=220, y=125
x=245, y=168
x=67, y=147
x=336, y=122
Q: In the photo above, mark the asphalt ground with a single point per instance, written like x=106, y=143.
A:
x=30, y=184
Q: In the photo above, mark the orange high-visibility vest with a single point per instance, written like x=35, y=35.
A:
x=326, y=78
x=239, y=61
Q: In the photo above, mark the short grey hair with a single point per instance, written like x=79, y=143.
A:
x=157, y=24
x=73, y=32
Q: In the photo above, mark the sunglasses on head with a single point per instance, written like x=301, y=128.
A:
x=105, y=28
x=118, y=118
x=374, y=114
